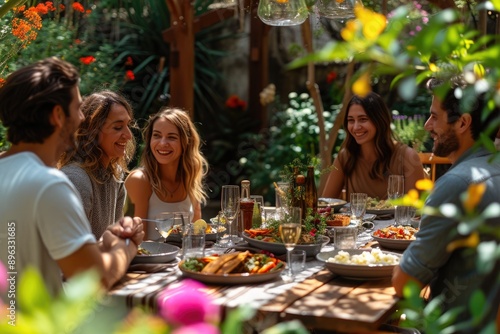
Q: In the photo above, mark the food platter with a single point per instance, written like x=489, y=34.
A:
x=380, y=212
x=160, y=253
x=335, y=203
x=176, y=237
x=357, y=272
x=396, y=244
x=279, y=248
x=238, y=278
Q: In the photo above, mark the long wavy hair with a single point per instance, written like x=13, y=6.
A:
x=96, y=108
x=379, y=114
x=192, y=167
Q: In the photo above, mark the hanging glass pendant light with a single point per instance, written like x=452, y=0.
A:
x=337, y=9
x=282, y=12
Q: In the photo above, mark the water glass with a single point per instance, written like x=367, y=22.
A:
x=193, y=243
x=345, y=237
x=297, y=261
x=358, y=205
x=395, y=186
x=403, y=214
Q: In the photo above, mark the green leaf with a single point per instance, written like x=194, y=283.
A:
x=477, y=305
x=408, y=88
x=235, y=318
x=32, y=293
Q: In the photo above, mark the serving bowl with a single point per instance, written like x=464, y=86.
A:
x=354, y=271
x=279, y=248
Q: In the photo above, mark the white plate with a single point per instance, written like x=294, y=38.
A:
x=335, y=203
x=242, y=278
x=279, y=248
x=160, y=253
x=396, y=244
x=372, y=271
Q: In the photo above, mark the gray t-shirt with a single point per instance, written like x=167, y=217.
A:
x=103, y=202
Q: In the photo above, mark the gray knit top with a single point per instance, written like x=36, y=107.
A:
x=103, y=202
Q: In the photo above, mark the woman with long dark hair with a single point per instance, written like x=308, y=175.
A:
x=371, y=152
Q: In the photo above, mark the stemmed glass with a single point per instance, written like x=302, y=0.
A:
x=395, y=188
x=358, y=206
x=230, y=205
x=290, y=228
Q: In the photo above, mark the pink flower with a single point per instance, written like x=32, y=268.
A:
x=3, y=277
x=197, y=328
x=186, y=304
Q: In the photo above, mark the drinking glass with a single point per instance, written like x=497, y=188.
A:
x=358, y=206
x=167, y=222
x=230, y=205
x=395, y=186
x=290, y=228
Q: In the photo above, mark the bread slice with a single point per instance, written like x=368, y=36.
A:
x=338, y=220
x=213, y=266
x=232, y=264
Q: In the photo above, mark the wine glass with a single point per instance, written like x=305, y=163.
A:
x=395, y=188
x=290, y=228
x=172, y=222
x=358, y=206
x=230, y=205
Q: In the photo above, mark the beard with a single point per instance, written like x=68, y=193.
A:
x=68, y=136
x=446, y=143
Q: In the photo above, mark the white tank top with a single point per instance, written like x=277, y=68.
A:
x=157, y=206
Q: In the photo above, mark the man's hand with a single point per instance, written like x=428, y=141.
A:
x=129, y=228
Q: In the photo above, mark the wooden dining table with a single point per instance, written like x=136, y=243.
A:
x=319, y=299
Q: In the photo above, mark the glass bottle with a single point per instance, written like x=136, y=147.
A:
x=311, y=197
x=246, y=205
x=300, y=190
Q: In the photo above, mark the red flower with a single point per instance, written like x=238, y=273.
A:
x=129, y=75
x=87, y=60
x=234, y=102
x=78, y=7
x=78, y=41
x=50, y=6
x=62, y=7
x=129, y=62
x=2, y=81
x=331, y=76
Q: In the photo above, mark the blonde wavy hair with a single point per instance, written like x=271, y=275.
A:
x=96, y=108
x=192, y=167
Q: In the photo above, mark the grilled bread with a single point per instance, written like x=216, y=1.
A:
x=213, y=266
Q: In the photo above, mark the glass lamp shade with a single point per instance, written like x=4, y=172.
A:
x=337, y=9
x=282, y=12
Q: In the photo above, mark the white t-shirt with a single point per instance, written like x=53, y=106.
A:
x=41, y=218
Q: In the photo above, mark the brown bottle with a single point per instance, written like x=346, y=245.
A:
x=246, y=205
x=311, y=197
x=300, y=191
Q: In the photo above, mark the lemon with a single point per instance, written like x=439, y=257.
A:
x=200, y=226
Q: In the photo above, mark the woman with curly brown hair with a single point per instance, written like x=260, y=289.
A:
x=172, y=168
x=371, y=152
x=105, y=145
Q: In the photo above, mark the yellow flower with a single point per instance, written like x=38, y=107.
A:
x=349, y=31
x=374, y=25
x=362, y=86
x=424, y=184
x=473, y=197
x=479, y=70
x=433, y=67
x=470, y=242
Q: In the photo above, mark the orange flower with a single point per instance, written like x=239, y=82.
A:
x=62, y=7
x=87, y=60
x=50, y=6
x=78, y=7
x=129, y=75
x=2, y=81
x=20, y=9
x=88, y=11
x=41, y=8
